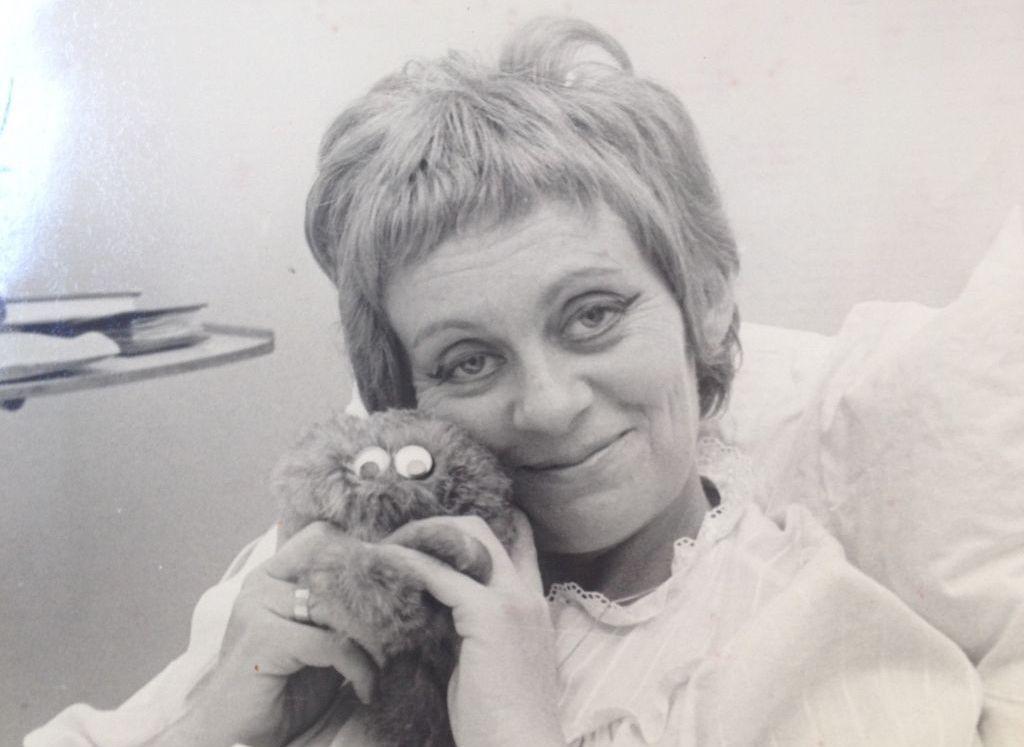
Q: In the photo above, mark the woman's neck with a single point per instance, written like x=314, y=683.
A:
x=640, y=562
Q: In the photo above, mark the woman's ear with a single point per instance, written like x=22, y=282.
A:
x=720, y=313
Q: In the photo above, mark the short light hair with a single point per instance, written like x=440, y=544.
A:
x=452, y=144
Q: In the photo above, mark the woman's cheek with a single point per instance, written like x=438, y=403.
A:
x=652, y=369
x=480, y=415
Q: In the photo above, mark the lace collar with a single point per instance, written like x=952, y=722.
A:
x=731, y=473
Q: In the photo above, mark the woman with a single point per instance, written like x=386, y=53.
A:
x=538, y=253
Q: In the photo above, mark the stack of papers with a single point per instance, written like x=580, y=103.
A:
x=26, y=310
x=25, y=355
x=47, y=335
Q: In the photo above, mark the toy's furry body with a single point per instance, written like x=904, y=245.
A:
x=355, y=590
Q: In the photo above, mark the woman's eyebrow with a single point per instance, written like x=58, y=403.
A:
x=593, y=272
x=441, y=325
x=549, y=295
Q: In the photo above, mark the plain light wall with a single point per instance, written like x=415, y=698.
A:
x=864, y=149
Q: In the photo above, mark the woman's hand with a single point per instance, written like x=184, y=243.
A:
x=274, y=676
x=504, y=690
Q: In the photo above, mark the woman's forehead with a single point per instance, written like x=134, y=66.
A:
x=506, y=275
x=551, y=242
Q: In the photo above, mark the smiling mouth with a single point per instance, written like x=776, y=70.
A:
x=562, y=464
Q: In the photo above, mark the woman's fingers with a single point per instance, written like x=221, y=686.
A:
x=316, y=647
x=271, y=594
x=294, y=556
x=505, y=672
x=477, y=612
x=284, y=645
x=459, y=549
x=475, y=527
x=516, y=567
x=519, y=561
x=444, y=583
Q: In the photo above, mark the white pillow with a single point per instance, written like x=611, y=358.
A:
x=780, y=371
x=910, y=448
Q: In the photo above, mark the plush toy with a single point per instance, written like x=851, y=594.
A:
x=370, y=476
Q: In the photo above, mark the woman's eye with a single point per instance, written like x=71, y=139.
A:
x=593, y=319
x=467, y=368
x=472, y=365
x=595, y=316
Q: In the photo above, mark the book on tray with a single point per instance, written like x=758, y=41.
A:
x=139, y=331
x=69, y=307
x=150, y=330
x=118, y=316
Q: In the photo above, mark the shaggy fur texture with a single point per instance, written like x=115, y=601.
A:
x=363, y=596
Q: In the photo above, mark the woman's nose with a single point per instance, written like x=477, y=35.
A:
x=550, y=395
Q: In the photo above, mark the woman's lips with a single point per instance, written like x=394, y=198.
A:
x=569, y=462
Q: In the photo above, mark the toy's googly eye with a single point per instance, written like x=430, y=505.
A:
x=414, y=462
x=370, y=462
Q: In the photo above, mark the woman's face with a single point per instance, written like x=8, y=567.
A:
x=555, y=344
